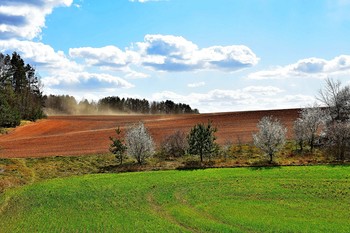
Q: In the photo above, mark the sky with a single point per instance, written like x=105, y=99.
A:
x=215, y=55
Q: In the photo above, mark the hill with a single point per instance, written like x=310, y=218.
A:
x=81, y=135
x=281, y=199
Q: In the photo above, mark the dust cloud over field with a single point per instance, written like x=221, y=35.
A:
x=82, y=135
x=79, y=111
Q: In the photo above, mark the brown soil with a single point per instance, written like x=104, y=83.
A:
x=82, y=135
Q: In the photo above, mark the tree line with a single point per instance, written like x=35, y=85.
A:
x=326, y=127
x=20, y=91
x=21, y=98
x=65, y=104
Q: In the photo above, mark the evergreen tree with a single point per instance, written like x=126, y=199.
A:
x=118, y=147
x=9, y=116
x=20, y=89
x=201, y=140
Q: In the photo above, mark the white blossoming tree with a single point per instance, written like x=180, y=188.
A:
x=139, y=142
x=270, y=137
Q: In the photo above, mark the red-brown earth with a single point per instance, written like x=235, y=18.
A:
x=83, y=135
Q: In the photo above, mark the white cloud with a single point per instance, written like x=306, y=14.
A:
x=193, y=85
x=85, y=81
x=132, y=74
x=310, y=68
x=39, y=55
x=61, y=73
x=108, y=56
x=249, y=98
x=25, y=19
x=169, y=53
x=263, y=90
x=175, y=53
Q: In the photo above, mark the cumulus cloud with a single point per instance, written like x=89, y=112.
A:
x=310, y=67
x=175, y=53
x=132, y=74
x=39, y=55
x=85, y=81
x=249, y=98
x=169, y=53
x=108, y=56
x=199, y=84
x=61, y=73
x=25, y=18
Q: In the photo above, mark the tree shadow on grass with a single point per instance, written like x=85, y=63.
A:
x=264, y=165
x=339, y=163
x=127, y=167
x=195, y=165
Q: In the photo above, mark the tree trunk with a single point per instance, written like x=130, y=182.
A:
x=301, y=145
x=271, y=156
x=312, y=143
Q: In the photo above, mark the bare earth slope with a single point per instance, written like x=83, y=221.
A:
x=81, y=135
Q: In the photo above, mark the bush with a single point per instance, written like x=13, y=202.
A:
x=174, y=145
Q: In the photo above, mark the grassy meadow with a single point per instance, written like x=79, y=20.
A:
x=276, y=199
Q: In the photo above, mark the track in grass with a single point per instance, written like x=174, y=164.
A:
x=286, y=199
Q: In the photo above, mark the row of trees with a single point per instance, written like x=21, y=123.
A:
x=328, y=126
x=140, y=145
x=21, y=98
x=20, y=91
x=64, y=104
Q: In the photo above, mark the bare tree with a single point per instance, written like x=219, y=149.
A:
x=139, y=142
x=271, y=136
x=307, y=126
x=337, y=100
x=175, y=145
x=338, y=134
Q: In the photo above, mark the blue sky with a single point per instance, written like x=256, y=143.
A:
x=216, y=55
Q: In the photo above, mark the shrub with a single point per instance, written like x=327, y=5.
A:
x=174, y=145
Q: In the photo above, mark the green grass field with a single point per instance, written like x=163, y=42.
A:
x=279, y=199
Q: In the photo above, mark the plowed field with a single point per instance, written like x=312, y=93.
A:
x=82, y=135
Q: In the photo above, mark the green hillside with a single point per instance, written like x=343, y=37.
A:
x=285, y=199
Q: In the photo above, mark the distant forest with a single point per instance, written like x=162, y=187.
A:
x=65, y=104
x=21, y=98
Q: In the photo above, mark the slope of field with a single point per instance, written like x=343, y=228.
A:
x=286, y=199
x=81, y=135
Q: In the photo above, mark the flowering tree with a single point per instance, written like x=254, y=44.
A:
x=307, y=126
x=270, y=137
x=139, y=142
